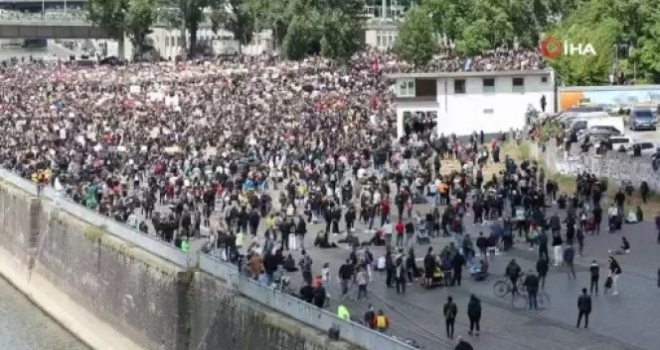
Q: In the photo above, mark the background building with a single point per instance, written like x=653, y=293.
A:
x=465, y=102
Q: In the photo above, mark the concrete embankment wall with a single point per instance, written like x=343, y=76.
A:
x=117, y=289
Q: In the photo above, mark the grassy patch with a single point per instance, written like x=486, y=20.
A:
x=517, y=152
x=94, y=233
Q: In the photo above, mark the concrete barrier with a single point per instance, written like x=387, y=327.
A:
x=616, y=166
x=116, y=288
x=299, y=310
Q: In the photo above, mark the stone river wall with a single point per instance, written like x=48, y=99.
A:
x=115, y=288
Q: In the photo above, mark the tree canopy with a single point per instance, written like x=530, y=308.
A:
x=332, y=28
x=632, y=26
x=120, y=18
x=623, y=32
x=416, y=41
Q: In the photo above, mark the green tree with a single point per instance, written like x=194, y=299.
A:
x=302, y=38
x=341, y=35
x=474, y=38
x=241, y=22
x=607, y=24
x=416, y=42
x=189, y=15
x=141, y=17
x=119, y=18
x=298, y=23
x=109, y=15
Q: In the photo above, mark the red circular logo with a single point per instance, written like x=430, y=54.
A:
x=550, y=47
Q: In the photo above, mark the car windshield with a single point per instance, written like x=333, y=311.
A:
x=643, y=115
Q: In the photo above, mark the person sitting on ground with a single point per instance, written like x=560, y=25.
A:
x=377, y=240
x=480, y=271
x=625, y=248
x=289, y=264
x=633, y=216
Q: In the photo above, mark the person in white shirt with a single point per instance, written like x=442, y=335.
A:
x=387, y=232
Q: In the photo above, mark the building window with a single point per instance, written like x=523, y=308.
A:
x=544, y=79
x=380, y=40
x=406, y=88
x=489, y=86
x=459, y=86
x=518, y=85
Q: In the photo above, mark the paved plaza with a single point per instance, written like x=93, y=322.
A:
x=627, y=321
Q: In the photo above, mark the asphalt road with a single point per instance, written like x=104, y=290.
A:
x=627, y=321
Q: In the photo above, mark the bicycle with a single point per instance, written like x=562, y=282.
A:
x=504, y=287
x=521, y=301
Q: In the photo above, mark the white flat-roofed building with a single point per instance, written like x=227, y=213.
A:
x=465, y=102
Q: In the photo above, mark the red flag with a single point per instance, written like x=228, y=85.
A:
x=375, y=66
x=374, y=102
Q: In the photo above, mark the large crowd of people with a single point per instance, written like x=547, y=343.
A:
x=172, y=149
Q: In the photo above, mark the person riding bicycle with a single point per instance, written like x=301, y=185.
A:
x=513, y=271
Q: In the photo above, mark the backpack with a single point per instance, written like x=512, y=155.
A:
x=451, y=312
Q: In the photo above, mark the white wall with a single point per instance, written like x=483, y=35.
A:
x=476, y=110
x=496, y=111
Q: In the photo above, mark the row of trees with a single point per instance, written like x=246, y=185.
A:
x=624, y=33
x=330, y=27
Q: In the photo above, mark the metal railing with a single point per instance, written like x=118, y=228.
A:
x=300, y=310
x=124, y=232
x=285, y=304
x=71, y=17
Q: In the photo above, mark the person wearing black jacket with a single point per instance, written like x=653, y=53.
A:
x=301, y=230
x=594, y=271
x=482, y=244
x=463, y=345
x=557, y=243
x=474, y=313
x=615, y=272
x=320, y=296
x=307, y=293
x=389, y=269
x=345, y=276
x=543, y=245
x=584, y=308
x=542, y=267
x=457, y=263
x=450, y=311
x=532, y=287
x=370, y=317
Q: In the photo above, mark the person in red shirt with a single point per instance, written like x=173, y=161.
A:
x=399, y=228
x=384, y=211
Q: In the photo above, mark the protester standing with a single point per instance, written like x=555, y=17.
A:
x=594, y=271
x=532, y=288
x=450, y=310
x=542, y=267
x=474, y=313
x=615, y=273
x=584, y=308
x=557, y=243
x=569, y=256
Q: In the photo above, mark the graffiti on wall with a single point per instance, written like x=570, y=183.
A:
x=615, y=166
